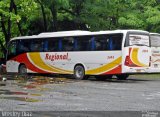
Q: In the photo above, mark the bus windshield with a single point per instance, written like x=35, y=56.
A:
x=140, y=40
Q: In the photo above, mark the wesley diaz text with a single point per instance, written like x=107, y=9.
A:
x=16, y=114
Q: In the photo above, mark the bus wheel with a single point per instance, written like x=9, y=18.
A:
x=103, y=77
x=79, y=72
x=22, y=70
x=122, y=76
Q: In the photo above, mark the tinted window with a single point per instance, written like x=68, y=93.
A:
x=68, y=44
x=84, y=43
x=115, y=42
x=101, y=42
x=77, y=43
x=36, y=45
x=23, y=46
x=108, y=42
x=53, y=44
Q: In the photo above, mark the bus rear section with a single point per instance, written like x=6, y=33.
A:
x=155, y=51
x=136, y=52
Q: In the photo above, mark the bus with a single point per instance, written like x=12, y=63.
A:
x=155, y=50
x=81, y=53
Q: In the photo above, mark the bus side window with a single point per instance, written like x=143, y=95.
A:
x=85, y=43
x=45, y=45
x=115, y=42
x=92, y=44
x=53, y=45
x=23, y=46
x=100, y=43
x=68, y=44
x=110, y=44
x=60, y=47
x=75, y=46
x=36, y=45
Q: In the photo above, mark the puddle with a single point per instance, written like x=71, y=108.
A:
x=8, y=92
x=25, y=99
x=49, y=80
x=36, y=82
x=29, y=83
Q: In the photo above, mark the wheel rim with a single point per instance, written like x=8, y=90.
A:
x=23, y=70
x=79, y=72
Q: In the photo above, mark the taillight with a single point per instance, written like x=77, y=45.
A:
x=127, y=61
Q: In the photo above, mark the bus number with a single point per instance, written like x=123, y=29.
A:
x=145, y=51
x=110, y=57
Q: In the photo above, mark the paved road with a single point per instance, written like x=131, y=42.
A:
x=138, y=93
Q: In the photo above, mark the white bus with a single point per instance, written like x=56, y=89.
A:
x=81, y=53
x=155, y=49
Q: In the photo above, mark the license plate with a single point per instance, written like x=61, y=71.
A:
x=138, y=70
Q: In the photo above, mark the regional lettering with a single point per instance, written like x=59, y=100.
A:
x=53, y=57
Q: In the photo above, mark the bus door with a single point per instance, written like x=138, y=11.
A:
x=136, y=53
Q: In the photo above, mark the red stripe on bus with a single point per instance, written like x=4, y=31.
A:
x=116, y=70
x=24, y=59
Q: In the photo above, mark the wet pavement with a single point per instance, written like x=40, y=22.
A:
x=45, y=93
x=22, y=88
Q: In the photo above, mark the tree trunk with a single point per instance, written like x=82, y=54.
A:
x=54, y=17
x=4, y=29
x=9, y=22
x=44, y=15
x=3, y=48
x=18, y=23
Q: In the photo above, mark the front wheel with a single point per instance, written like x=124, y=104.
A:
x=79, y=72
x=122, y=76
x=22, y=70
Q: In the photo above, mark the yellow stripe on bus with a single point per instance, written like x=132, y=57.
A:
x=135, y=60
x=106, y=67
x=36, y=59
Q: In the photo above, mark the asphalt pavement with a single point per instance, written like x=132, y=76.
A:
x=138, y=96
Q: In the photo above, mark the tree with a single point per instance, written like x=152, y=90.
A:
x=9, y=16
x=142, y=14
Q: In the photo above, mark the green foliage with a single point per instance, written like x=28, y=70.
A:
x=1, y=40
x=142, y=14
x=79, y=14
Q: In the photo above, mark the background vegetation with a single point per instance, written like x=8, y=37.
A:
x=31, y=17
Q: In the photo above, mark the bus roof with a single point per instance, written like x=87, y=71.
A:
x=154, y=34
x=74, y=33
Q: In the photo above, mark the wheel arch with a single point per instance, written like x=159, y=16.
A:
x=80, y=65
x=21, y=65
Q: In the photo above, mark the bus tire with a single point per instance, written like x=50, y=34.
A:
x=22, y=69
x=79, y=72
x=103, y=77
x=122, y=76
